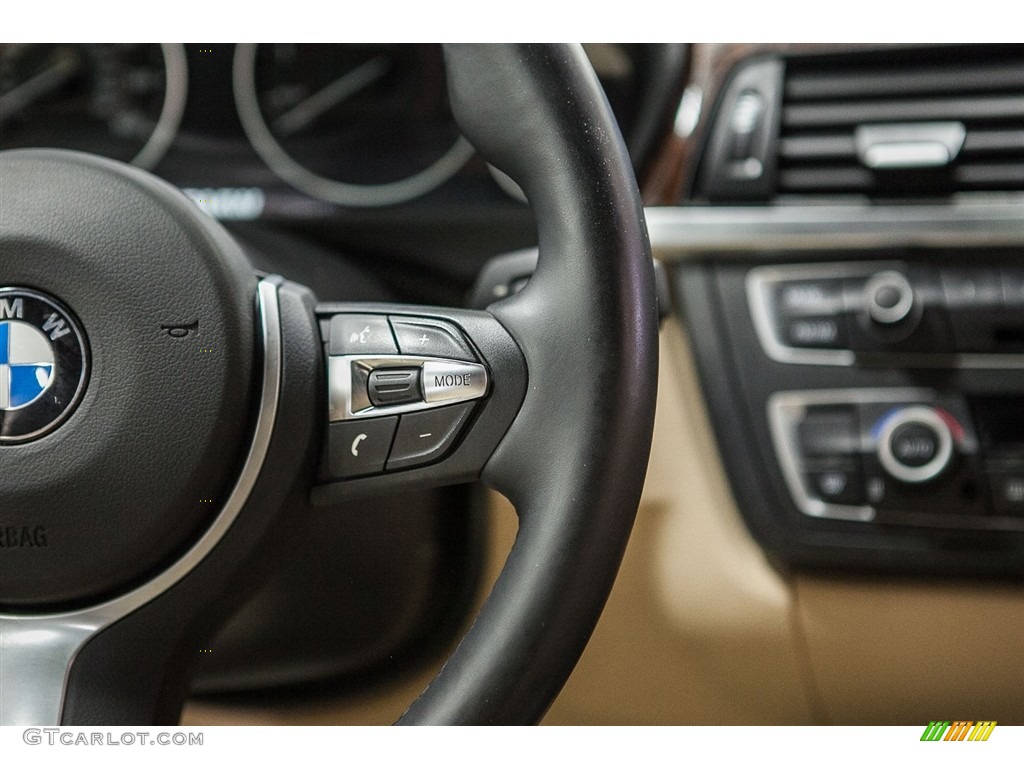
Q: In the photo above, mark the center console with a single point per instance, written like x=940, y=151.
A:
x=866, y=388
x=927, y=455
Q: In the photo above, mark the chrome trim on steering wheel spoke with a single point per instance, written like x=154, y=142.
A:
x=36, y=651
x=344, y=394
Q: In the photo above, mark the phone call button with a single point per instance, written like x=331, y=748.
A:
x=360, y=447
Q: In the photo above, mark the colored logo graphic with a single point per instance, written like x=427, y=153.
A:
x=958, y=730
x=44, y=362
x=26, y=365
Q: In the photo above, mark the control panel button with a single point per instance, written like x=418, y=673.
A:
x=874, y=489
x=361, y=335
x=360, y=447
x=426, y=436
x=828, y=432
x=814, y=332
x=1007, y=491
x=842, y=484
x=430, y=338
x=915, y=444
x=393, y=386
x=453, y=381
x=888, y=298
x=809, y=297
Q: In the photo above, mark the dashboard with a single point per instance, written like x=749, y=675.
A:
x=836, y=493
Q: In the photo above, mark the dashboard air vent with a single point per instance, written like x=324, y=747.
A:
x=908, y=123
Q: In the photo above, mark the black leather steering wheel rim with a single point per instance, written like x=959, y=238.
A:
x=587, y=325
x=571, y=456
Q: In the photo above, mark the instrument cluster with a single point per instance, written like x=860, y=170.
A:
x=263, y=131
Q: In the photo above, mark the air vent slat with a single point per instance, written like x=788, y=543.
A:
x=817, y=147
x=934, y=80
x=994, y=141
x=991, y=176
x=841, y=114
x=826, y=179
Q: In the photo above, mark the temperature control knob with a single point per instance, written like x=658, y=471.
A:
x=915, y=444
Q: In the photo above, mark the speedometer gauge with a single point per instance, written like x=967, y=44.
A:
x=355, y=125
x=120, y=101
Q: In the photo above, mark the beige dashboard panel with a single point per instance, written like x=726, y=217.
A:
x=908, y=653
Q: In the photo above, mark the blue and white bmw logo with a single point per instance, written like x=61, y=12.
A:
x=43, y=364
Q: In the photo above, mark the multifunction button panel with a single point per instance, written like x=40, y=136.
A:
x=919, y=314
x=400, y=391
x=904, y=456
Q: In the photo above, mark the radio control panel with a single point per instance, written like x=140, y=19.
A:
x=924, y=314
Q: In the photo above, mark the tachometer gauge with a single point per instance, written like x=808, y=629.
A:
x=120, y=101
x=355, y=125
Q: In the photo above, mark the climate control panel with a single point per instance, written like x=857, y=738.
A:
x=899, y=456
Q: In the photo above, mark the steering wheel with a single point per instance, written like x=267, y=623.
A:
x=166, y=416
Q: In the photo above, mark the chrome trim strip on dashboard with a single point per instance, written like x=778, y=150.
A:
x=681, y=233
x=36, y=651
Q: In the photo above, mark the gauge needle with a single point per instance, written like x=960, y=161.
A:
x=37, y=86
x=346, y=86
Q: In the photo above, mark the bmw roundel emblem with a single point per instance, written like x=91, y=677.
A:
x=43, y=364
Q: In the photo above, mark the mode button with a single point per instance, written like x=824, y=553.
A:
x=444, y=381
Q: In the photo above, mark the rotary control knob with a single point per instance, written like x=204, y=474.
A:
x=915, y=444
x=888, y=298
